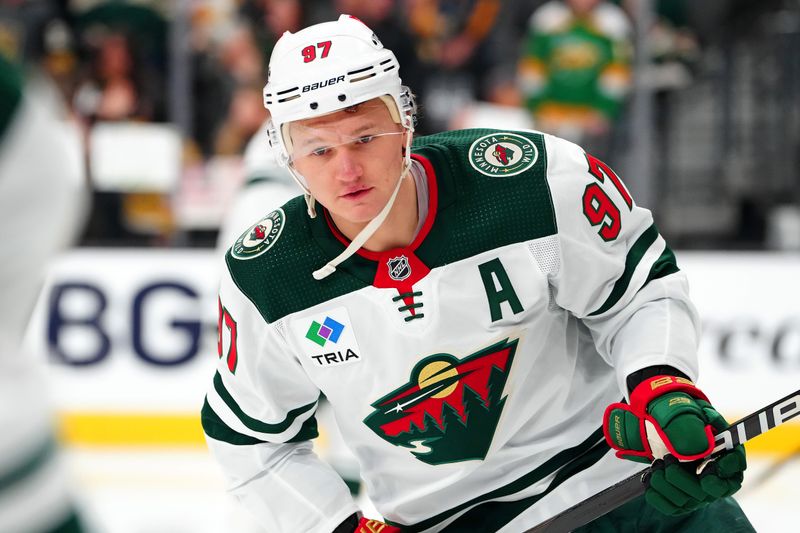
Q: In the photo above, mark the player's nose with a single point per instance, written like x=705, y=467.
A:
x=348, y=166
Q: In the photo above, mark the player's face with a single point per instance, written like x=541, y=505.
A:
x=350, y=159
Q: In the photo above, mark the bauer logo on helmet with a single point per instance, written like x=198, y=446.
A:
x=320, y=84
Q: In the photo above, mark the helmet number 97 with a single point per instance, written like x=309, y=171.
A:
x=310, y=52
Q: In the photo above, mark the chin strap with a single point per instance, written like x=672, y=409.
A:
x=310, y=205
x=371, y=227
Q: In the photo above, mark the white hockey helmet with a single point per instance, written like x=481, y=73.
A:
x=327, y=67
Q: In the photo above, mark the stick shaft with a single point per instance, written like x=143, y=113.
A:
x=759, y=422
x=605, y=501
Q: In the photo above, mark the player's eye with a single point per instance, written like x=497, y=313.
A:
x=364, y=139
x=322, y=150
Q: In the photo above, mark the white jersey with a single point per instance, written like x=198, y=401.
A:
x=42, y=188
x=468, y=371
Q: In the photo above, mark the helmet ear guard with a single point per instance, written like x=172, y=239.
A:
x=282, y=156
x=408, y=108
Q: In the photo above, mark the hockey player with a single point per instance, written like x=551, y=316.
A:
x=42, y=190
x=470, y=303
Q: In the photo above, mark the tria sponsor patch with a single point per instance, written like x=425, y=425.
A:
x=327, y=339
x=329, y=330
x=331, y=358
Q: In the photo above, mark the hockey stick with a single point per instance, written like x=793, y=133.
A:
x=616, y=495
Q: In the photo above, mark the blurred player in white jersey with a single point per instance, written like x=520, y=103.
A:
x=474, y=304
x=42, y=194
x=267, y=186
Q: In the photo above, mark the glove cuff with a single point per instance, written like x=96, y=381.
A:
x=656, y=386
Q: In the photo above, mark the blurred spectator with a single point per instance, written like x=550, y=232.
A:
x=386, y=19
x=245, y=116
x=451, y=38
x=243, y=65
x=230, y=67
x=673, y=45
x=41, y=34
x=59, y=56
x=231, y=48
x=124, y=57
x=575, y=70
x=241, y=57
x=122, y=78
x=448, y=32
x=674, y=54
x=208, y=84
x=115, y=86
x=270, y=18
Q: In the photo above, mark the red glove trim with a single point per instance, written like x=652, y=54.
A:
x=366, y=525
x=652, y=388
x=612, y=440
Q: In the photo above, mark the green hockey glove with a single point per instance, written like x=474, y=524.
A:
x=669, y=422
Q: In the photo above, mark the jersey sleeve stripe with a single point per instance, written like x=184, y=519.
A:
x=307, y=431
x=214, y=427
x=634, y=257
x=300, y=429
x=27, y=470
x=252, y=423
x=664, y=266
x=217, y=429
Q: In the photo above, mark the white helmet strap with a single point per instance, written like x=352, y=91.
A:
x=310, y=201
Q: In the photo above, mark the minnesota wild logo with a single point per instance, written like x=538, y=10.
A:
x=502, y=154
x=260, y=237
x=448, y=411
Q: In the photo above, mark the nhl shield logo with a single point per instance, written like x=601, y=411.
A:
x=399, y=269
x=260, y=237
x=502, y=154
